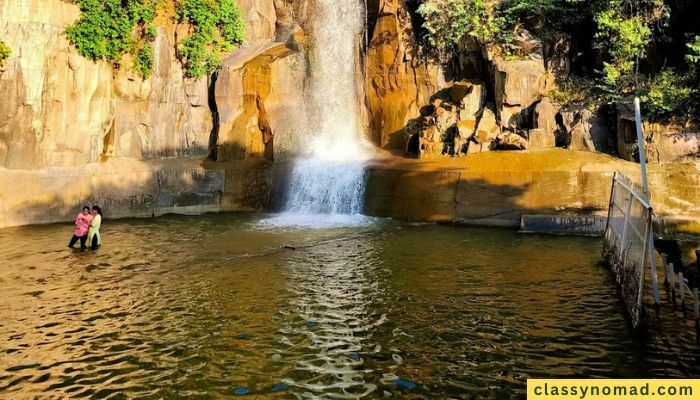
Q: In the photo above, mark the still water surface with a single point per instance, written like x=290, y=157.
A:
x=198, y=307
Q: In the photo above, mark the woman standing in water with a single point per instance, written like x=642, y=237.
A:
x=93, y=234
x=82, y=223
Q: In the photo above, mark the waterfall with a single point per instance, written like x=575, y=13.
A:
x=326, y=185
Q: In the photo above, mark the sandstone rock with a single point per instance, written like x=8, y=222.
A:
x=626, y=130
x=540, y=139
x=510, y=141
x=488, y=129
x=674, y=147
x=466, y=128
x=61, y=109
x=474, y=148
x=397, y=84
x=260, y=19
x=557, y=57
x=527, y=44
x=518, y=85
x=244, y=84
x=544, y=117
x=584, y=130
x=470, y=97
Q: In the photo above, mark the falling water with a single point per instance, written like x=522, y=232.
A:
x=327, y=185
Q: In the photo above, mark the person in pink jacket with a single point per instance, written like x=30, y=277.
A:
x=82, y=224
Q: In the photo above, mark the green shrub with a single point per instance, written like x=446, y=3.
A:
x=693, y=56
x=143, y=62
x=217, y=25
x=105, y=30
x=448, y=22
x=5, y=52
x=665, y=93
x=625, y=41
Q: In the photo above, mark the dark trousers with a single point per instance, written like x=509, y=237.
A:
x=74, y=239
x=94, y=244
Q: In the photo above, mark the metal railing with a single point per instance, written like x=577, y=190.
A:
x=626, y=242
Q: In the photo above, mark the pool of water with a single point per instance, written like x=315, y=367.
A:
x=211, y=306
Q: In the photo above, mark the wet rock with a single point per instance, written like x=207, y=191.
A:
x=279, y=387
x=241, y=391
x=404, y=383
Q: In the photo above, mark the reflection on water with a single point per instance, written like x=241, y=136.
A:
x=196, y=307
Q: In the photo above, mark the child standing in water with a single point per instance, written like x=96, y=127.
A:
x=93, y=234
x=82, y=223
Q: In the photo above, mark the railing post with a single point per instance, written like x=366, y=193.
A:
x=681, y=282
x=664, y=262
x=652, y=259
x=672, y=273
x=697, y=315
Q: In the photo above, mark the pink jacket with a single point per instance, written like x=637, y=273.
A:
x=82, y=224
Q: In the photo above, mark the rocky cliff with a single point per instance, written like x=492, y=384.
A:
x=61, y=109
x=480, y=101
x=74, y=131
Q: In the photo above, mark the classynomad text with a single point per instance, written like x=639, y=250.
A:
x=613, y=389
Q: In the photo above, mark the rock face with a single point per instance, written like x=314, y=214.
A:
x=584, y=130
x=518, y=85
x=258, y=95
x=64, y=110
x=398, y=81
x=498, y=188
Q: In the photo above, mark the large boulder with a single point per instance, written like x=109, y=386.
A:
x=470, y=97
x=584, y=130
x=545, y=123
x=487, y=129
x=258, y=93
x=527, y=45
x=518, y=84
x=675, y=146
x=626, y=130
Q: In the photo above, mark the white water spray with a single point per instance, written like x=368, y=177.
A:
x=327, y=187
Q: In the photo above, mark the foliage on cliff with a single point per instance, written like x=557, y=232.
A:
x=109, y=29
x=217, y=26
x=5, y=52
x=627, y=47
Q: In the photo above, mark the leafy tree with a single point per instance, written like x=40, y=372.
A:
x=666, y=92
x=217, y=25
x=106, y=30
x=693, y=56
x=449, y=22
